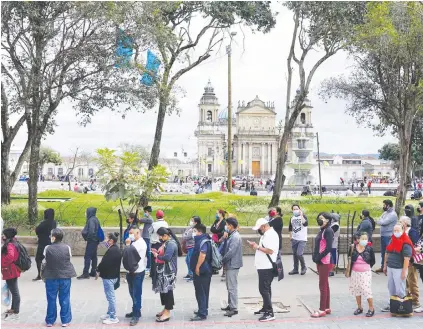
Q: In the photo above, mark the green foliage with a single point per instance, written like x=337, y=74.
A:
x=48, y=155
x=123, y=179
x=389, y=151
x=16, y=215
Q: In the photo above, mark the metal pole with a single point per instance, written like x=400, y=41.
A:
x=120, y=229
x=318, y=160
x=228, y=50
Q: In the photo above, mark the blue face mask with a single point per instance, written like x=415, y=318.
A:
x=217, y=216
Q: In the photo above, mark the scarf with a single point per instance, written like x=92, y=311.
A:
x=397, y=244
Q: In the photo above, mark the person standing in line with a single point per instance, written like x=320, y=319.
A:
x=10, y=272
x=147, y=229
x=232, y=262
x=131, y=221
x=360, y=273
x=397, y=259
x=276, y=222
x=43, y=231
x=336, y=233
x=266, y=254
x=201, y=266
x=134, y=261
x=90, y=234
x=321, y=256
x=409, y=212
x=58, y=273
x=188, y=240
x=298, y=235
x=387, y=222
x=412, y=282
x=218, y=231
x=154, y=238
x=366, y=225
x=109, y=271
x=167, y=269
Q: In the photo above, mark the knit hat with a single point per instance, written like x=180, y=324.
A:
x=159, y=214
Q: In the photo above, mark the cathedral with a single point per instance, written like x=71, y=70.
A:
x=255, y=140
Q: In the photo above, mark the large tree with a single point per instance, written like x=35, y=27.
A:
x=387, y=81
x=62, y=50
x=322, y=26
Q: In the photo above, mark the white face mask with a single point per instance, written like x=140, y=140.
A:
x=363, y=243
x=397, y=234
x=131, y=237
x=191, y=223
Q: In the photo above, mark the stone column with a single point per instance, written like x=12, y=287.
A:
x=238, y=157
x=250, y=158
x=274, y=158
x=216, y=164
x=262, y=165
x=268, y=155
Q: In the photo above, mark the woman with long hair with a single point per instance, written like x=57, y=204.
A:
x=10, y=272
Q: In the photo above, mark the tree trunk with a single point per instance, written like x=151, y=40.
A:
x=280, y=166
x=155, y=151
x=5, y=175
x=34, y=159
x=404, y=134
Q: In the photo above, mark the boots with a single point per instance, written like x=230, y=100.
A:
x=38, y=278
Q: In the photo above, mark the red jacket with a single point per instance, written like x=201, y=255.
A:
x=8, y=267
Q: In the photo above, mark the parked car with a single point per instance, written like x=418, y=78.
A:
x=24, y=178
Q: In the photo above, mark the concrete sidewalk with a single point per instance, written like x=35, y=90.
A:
x=292, y=298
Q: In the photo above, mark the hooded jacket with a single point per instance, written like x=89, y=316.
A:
x=409, y=212
x=43, y=230
x=90, y=231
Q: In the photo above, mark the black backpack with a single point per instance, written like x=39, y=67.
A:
x=24, y=261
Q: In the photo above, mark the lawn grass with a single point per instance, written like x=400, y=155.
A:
x=179, y=208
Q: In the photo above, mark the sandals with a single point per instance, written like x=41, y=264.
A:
x=369, y=313
x=163, y=319
x=358, y=311
x=318, y=314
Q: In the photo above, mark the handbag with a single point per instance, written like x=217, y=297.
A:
x=277, y=267
x=401, y=306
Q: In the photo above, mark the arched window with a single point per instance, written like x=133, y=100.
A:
x=303, y=118
x=209, y=116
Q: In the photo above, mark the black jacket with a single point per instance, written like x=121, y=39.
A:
x=43, y=230
x=90, y=231
x=220, y=229
x=130, y=258
x=328, y=235
x=277, y=224
x=109, y=267
x=368, y=255
x=409, y=211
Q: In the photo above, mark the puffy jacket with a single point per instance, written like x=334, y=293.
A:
x=8, y=267
x=90, y=231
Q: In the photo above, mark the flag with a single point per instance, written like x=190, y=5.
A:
x=124, y=49
x=153, y=64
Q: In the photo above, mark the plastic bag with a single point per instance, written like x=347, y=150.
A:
x=6, y=297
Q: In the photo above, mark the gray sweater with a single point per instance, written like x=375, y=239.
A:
x=387, y=222
x=232, y=258
x=187, y=237
x=148, y=227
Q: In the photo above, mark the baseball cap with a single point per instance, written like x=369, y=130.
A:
x=159, y=214
x=260, y=222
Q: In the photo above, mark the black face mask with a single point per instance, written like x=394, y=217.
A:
x=320, y=222
x=260, y=232
x=361, y=217
x=385, y=208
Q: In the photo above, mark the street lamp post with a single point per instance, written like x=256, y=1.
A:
x=229, y=50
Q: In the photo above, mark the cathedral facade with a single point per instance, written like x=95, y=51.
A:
x=255, y=139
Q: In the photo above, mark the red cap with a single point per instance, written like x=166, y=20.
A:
x=159, y=214
x=272, y=213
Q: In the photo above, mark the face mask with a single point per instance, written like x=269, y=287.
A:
x=106, y=244
x=296, y=213
x=260, y=232
x=145, y=214
x=217, y=216
x=131, y=237
x=320, y=222
x=397, y=234
x=363, y=243
x=191, y=223
x=51, y=239
x=385, y=208
x=194, y=235
x=226, y=229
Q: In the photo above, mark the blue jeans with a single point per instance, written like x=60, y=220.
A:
x=384, y=241
x=109, y=290
x=135, y=281
x=188, y=260
x=59, y=287
x=90, y=257
x=202, y=291
x=147, y=241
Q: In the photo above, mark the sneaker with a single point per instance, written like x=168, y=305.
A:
x=93, y=275
x=49, y=325
x=379, y=270
x=186, y=277
x=129, y=315
x=11, y=317
x=293, y=272
x=227, y=308
x=111, y=321
x=418, y=309
x=65, y=325
x=303, y=270
x=331, y=274
x=262, y=311
x=190, y=279
x=267, y=317
x=104, y=317
x=38, y=278
x=386, y=309
x=231, y=313
x=197, y=318
x=83, y=276
x=134, y=321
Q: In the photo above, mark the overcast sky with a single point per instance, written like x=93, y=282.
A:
x=258, y=68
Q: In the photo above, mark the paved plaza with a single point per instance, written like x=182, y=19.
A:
x=292, y=298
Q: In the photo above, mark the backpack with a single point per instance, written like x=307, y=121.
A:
x=23, y=263
x=216, y=260
x=100, y=234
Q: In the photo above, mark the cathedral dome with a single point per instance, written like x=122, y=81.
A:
x=209, y=97
x=223, y=115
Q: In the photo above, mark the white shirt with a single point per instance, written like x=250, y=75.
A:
x=269, y=240
x=299, y=231
x=141, y=247
x=156, y=225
